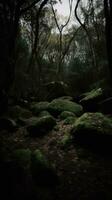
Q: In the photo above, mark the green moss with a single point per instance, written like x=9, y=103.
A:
x=44, y=113
x=57, y=128
x=65, y=141
x=70, y=120
x=41, y=125
x=92, y=94
x=38, y=160
x=58, y=105
x=69, y=98
x=40, y=106
x=95, y=122
x=66, y=114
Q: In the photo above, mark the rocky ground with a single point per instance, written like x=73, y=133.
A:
x=78, y=171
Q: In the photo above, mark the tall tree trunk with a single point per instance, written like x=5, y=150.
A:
x=93, y=56
x=9, y=21
x=36, y=40
x=108, y=32
x=10, y=13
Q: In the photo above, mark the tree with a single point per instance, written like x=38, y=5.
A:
x=83, y=25
x=108, y=31
x=10, y=14
x=36, y=39
x=61, y=29
x=38, y=32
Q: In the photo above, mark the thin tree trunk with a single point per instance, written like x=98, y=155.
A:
x=88, y=35
x=59, y=71
x=108, y=32
x=34, y=50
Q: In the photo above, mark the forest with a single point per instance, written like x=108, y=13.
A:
x=56, y=99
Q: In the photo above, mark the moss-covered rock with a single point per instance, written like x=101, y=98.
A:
x=94, y=121
x=93, y=128
x=34, y=119
x=70, y=120
x=66, y=114
x=17, y=112
x=42, y=171
x=59, y=105
x=39, y=106
x=39, y=126
x=69, y=98
x=44, y=113
x=25, y=122
x=65, y=141
x=91, y=99
x=39, y=161
x=92, y=94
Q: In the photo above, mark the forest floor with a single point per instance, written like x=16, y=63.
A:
x=83, y=174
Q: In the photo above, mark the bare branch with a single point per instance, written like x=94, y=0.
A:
x=76, y=15
x=60, y=28
x=70, y=7
x=88, y=35
x=34, y=50
x=56, y=21
x=69, y=43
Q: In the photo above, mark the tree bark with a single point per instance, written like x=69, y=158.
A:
x=94, y=63
x=34, y=49
x=10, y=13
x=59, y=71
x=108, y=32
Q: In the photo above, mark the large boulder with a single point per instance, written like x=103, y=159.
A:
x=91, y=99
x=59, y=105
x=32, y=120
x=28, y=122
x=37, y=126
x=67, y=98
x=17, y=112
x=66, y=114
x=69, y=120
x=93, y=129
x=44, y=113
x=38, y=107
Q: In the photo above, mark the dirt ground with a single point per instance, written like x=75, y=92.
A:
x=83, y=174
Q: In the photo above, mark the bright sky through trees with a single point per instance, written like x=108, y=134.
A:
x=63, y=9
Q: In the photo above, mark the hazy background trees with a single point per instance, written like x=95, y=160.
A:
x=36, y=43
